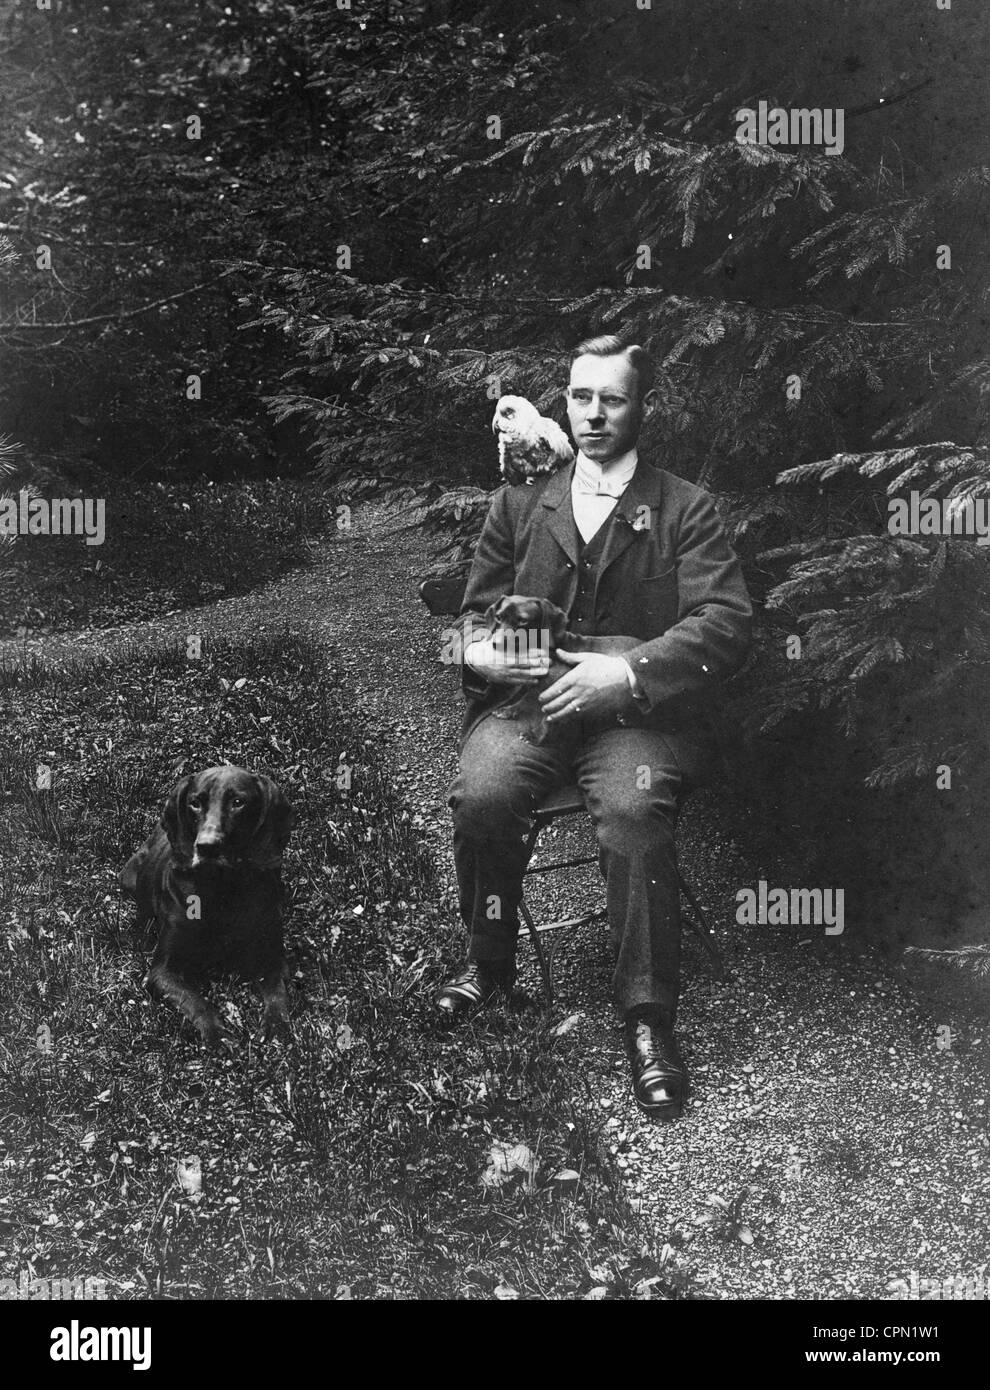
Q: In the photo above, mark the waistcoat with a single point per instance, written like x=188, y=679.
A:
x=582, y=615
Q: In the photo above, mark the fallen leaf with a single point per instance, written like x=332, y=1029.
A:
x=522, y=1157
x=506, y=1162
x=189, y=1171
x=504, y=1291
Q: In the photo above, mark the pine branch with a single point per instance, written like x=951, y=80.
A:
x=120, y=316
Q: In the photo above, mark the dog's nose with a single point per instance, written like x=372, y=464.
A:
x=209, y=849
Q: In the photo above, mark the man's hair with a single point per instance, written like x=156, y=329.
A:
x=611, y=345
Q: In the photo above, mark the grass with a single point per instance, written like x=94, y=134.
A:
x=167, y=546
x=345, y=1162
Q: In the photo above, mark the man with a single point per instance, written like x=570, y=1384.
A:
x=624, y=549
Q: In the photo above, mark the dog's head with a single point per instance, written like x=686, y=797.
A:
x=226, y=818
x=519, y=613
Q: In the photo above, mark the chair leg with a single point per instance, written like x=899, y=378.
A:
x=534, y=935
x=698, y=920
x=541, y=955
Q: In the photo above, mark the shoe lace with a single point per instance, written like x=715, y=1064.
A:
x=651, y=1046
x=646, y=1042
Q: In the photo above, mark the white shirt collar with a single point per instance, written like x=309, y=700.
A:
x=610, y=481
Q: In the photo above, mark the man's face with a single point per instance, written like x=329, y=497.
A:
x=604, y=407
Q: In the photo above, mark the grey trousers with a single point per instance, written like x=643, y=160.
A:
x=634, y=782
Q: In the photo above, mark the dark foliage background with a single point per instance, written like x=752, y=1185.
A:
x=355, y=269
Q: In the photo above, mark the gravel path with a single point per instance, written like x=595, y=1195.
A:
x=833, y=1144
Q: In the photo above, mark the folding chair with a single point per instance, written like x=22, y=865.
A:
x=443, y=596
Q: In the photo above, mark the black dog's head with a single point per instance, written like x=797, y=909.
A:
x=538, y=615
x=227, y=818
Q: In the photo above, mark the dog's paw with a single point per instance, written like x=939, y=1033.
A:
x=274, y=1023
x=210, y=1028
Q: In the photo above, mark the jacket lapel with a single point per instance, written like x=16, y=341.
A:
x=644, y=491
x=560, y=519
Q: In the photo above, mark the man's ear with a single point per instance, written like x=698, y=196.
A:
x=650, y=403
x=175, y=818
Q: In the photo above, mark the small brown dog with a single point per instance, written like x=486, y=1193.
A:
x=210, y=876
x=535, y=622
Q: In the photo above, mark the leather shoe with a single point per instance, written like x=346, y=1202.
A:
x=474, y=987
x=659, y=1076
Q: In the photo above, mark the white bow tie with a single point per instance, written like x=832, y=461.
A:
x=591, y=480
x=600, y=487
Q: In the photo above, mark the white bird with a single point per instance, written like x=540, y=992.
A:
x=529, y=444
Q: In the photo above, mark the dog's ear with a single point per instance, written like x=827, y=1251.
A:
x=518, y=611
x=274, y=824
x=175, y=819
x=496, y=614
x=556, y=621
x=128, y=876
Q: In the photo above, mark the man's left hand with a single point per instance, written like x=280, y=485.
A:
x=598, y=685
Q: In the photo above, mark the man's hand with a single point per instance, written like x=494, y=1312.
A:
x=597, y=685
x=494, y=661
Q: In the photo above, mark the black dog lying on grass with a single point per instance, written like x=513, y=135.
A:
x=210, y=877
x=540, y=623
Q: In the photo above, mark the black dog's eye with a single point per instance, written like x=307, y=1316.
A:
x=194, y=806
x=237, y=801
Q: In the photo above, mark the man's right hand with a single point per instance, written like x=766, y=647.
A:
x=491, y=659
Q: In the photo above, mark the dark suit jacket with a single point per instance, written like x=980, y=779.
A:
x=667, y=576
